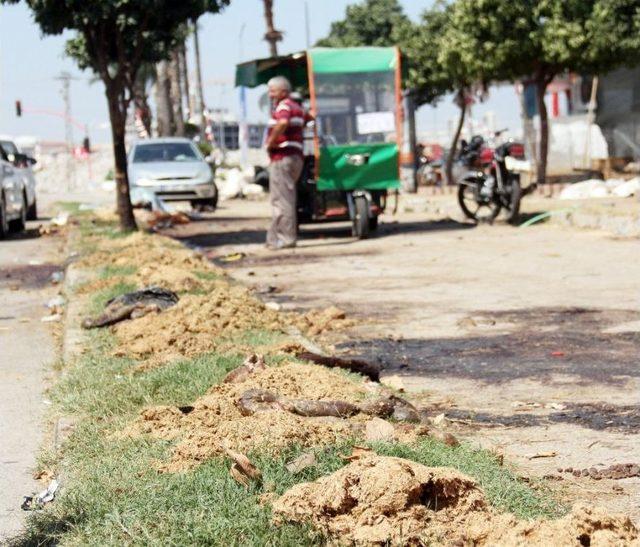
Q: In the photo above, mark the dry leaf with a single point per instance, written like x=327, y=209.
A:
x=242, y=464
x=303, y=461
x=238, y=475
x=446, y=438
x=357, y=453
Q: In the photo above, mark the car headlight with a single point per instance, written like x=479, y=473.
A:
x=143, y=181
x=205, y=173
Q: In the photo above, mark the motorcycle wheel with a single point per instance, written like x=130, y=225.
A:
x=513, y=198
x=478, y=211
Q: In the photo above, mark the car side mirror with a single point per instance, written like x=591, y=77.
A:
x=31, y=161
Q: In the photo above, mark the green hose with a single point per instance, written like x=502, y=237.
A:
x=542, y=216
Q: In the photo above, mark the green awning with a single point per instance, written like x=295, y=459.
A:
x=259, y=72
x=353, y=59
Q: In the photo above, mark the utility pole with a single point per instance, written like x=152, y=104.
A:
x=70, y=173
x=306, y=23
x=199, y=91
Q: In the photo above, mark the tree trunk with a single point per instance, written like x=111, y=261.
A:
x=454, y=143
x=543, y=149
x=176, y=93
x=118, y=118
x=140, y=100
x=184, y=75
x=164, y=112
x=199, y=89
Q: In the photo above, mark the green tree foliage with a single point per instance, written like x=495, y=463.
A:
x=370, y=23
x=115, y=38
x=537, y=40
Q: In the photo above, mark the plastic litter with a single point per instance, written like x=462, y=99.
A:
x=33, y=502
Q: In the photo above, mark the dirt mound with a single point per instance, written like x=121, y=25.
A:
x=215, y=417
x=380, y=500
x=169, y=277
x=140, y=249
x=316, y=322
x=197, y=324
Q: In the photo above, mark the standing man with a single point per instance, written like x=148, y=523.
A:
x=284, y=144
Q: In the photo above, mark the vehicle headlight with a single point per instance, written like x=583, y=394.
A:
x=205, y=174
x=143, y=181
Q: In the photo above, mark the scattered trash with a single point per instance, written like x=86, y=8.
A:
x=275, y=306
x=556, y=406
x=133, y=305
x=61, y=219
x=557, y=354
x=86, y=207
x=232, y=257
x=302, y=462
x=56, y=302
x=34, y=502
x=35, y=262
x=550, y=454
x=439, y=420
x=57, y=277
x=51, y=318
x=628, y=188
x=354, y=365
x=251, y=364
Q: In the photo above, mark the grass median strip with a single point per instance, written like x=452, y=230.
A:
x=113, y=493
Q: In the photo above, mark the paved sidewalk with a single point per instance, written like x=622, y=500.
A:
x=27, y=350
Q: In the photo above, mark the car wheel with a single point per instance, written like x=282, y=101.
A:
x=32, y=210
x=20, y=223
x=4, y=224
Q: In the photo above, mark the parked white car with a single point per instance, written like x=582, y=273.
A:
x=13, y=204
x=170, y=169
x=23, y=167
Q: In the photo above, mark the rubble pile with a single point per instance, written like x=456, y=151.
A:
x=217, y=417
x=379, y=500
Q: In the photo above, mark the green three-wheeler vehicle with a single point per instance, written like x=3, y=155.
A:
x=352, y=150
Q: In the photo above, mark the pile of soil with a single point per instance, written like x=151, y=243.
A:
x=380, y=500
x=197, y=324
x=215, y=419
x=140, y=249
x=317, y=322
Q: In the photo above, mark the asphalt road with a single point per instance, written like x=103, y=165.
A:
x=27, y=350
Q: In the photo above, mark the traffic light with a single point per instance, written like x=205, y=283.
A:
x=18, y=109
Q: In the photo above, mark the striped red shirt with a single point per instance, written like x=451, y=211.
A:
x=290, y=142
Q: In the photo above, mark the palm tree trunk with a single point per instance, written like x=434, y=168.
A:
x=164, y=112
x=176, y=93
x=199, y=89
x=454, y=143
x=272, y=35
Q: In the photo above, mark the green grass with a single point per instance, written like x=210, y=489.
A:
x=113, y=495
x=112, y=270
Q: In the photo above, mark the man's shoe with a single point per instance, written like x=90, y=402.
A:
x=278, y=246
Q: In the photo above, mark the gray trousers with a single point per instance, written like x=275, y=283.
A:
x=283, y=176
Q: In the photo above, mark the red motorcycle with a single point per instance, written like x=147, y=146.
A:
x=488, y=186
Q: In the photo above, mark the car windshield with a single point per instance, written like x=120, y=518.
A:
x=165, y=151
x=8, y=148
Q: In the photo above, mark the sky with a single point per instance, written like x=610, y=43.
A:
x=30, y=63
